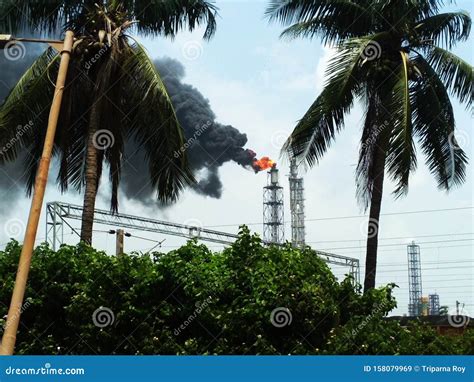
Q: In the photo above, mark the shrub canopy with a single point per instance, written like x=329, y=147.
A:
x=194, y=301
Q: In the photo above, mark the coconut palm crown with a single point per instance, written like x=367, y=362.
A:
x=113, y=93
x=392, y=56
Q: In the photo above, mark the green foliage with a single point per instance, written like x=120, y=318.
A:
x=153, y=18
x=113, y=92
x=194, y=301
x=374, y=335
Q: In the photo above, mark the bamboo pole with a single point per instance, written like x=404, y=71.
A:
x=16, y=306
x=119, y=242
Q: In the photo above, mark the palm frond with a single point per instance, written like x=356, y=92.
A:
x=396, y=12
x=71, y=134
x=454, y=72
x=169, y=17
x=331, y=29
x=154, y=126
x=153, y=17
x=297, y=11
x=445, y=28
x=434, y=125
x=428, y=7
x=315, y=131
x=28, y=105
x=46, y=16
x=333, y=21
x=401, y=156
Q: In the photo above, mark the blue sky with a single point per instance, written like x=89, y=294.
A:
x=262, y=86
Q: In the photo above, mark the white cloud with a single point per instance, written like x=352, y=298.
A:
x=328, y=53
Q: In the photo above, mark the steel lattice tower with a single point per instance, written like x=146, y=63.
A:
x=414, y=280
x=296, y=206
x=434, y=304
x=60, y=215
x=273, y=227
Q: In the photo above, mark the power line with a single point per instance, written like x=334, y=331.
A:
x=424, y=248
x=448, y=293
x=397, y=244
x=391, y=238
x=404, y=288
x=444, y=275
x=423, y=263
x=437, y=268
x=352, y=216
x=434, y=281
x=135, y=236
x=451, y=275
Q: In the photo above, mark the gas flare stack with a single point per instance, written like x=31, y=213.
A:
x=296, y=206
x=273, y=223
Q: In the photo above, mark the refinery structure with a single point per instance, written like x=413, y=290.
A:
x=296, y=206
x=415, y=304
x=418, y=304
x=60, y=215
x=273, y=208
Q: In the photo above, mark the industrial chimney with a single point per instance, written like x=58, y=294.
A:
x=296, y=206
x=273, y=224
x=414, y=280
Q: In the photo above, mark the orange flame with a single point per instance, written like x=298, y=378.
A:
x=262, y=164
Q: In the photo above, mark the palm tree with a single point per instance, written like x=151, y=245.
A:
x=391, y=56
x=114, y=93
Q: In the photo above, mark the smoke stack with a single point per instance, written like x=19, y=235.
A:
x=274, y=175
x=273, y=224
x=297, y=206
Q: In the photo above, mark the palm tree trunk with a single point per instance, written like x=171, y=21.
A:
x=374, y=217
x=91, y=179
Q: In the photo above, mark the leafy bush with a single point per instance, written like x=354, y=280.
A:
x=247, y=299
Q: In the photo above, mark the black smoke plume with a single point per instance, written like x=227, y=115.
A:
x=209, y=144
